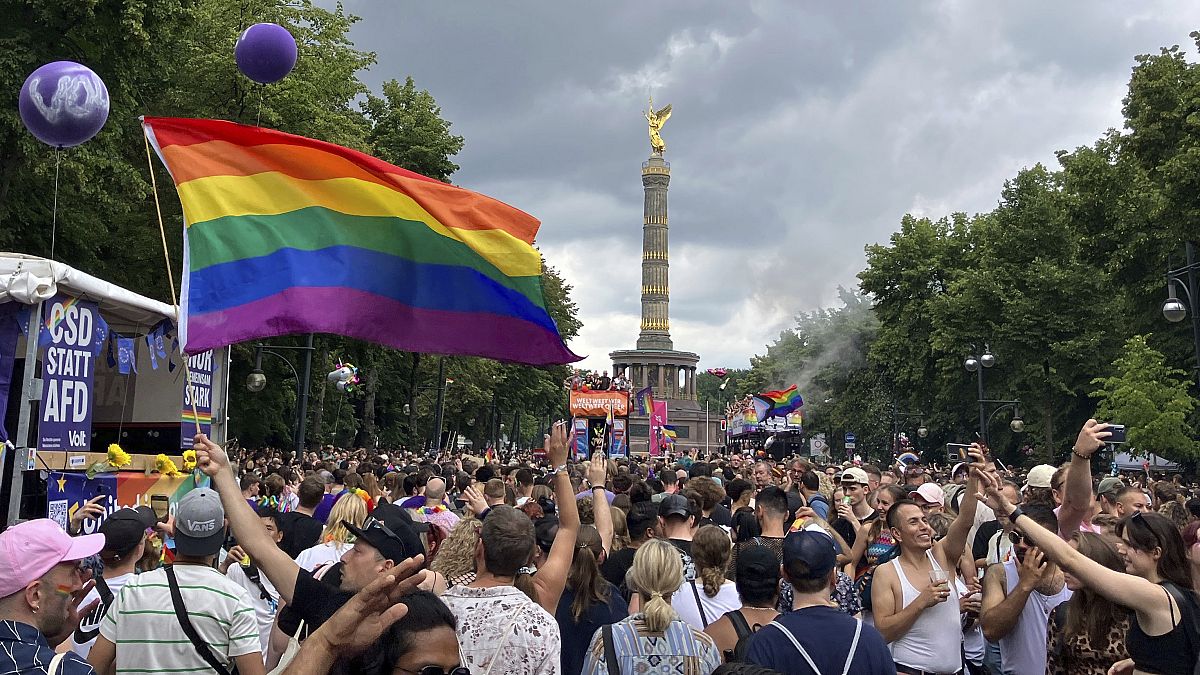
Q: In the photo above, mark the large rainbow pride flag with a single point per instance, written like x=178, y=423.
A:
x=285, y=234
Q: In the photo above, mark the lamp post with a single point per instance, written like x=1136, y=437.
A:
x=977, y=365
x=256, y=381
x=1174, y=310
x=1016, y=424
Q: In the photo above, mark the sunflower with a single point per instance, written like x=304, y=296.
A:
x=189, y=460
x=117, y=457
x=166, y=467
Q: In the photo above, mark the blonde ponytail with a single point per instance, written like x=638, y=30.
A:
x=657, y=572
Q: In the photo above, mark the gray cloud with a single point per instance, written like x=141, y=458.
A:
x=802, y=131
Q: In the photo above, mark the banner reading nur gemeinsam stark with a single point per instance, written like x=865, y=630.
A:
x=72, y=332
x=199, y=391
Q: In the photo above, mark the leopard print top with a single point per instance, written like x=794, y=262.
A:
x=1076, y=655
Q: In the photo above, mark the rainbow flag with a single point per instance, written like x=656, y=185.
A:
x=286, y=234
x=783, y=402
x=669, y=432
x=645, y=400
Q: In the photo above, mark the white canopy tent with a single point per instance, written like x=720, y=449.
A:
x=1127, y=462
x=32, y=280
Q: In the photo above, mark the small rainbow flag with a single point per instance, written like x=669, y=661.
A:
x=669, y=432
x=785, y=401
x=286, y=234
x=645, y=400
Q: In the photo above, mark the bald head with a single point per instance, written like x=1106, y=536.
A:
x=435, y=490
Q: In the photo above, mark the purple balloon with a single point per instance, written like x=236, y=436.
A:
x=63, y=104
x=265, y=52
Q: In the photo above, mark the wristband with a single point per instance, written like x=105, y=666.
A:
x=1087, y=457
x=558, y=469
x=598, y=487
x=1016, y=513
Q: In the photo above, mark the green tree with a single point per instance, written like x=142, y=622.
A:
x=1151, y=399
x=407, y=130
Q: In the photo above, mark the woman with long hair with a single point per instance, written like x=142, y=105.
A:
x=370, y=485
x=654, y=638
x=620, y=529
x=700, y=602
x=1156, y=585
x=1086, y=634
x=335, y=538
x=874, y=544
x=588, y=602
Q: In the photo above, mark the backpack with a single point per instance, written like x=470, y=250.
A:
x=744, y=633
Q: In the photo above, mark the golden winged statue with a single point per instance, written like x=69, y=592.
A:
x=656, y=121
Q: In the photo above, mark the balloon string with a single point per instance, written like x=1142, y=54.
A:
x=162, y=231
x=258, y=118
x=54, y=209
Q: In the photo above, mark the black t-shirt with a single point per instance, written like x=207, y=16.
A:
x=617, y=565
x=300, y=531
x=314, y=601
x=983, y=534
x=721, y=516
x=847, y=530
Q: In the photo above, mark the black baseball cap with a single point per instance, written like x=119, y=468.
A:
x=674, y=505
x=124, y=529
x=391, y=532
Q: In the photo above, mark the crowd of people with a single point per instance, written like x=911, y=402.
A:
x=343, y=562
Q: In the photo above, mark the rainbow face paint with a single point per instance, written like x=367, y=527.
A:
x=64, y=589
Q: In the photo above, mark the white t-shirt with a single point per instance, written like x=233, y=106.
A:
x=264, y=608
x=684, y=602
x=322, y=554
x=89, y=626
x=143, y=625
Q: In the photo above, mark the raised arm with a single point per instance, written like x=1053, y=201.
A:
x=1077, y=491
x=1148, y=599
x=955, y=541
x=597, y=474
x=551, y=579
x=247, y=527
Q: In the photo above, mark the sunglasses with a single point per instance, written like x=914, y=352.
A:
x=1016, y=538
x=436, y=670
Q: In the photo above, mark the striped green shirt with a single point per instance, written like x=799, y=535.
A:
x=143, y=626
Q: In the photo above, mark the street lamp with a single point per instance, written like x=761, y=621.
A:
x=1016, y=425
x=977, y=365
x=256, y=381
x=1175, y=310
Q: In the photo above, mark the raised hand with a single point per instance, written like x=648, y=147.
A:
x=597, y=470
x=210, y=457
x=1091, y=438
x=475, y=500
x=556, y=444
x=90, y=510
x=365, y=617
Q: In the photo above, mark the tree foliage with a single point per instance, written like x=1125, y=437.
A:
x=1151, y=399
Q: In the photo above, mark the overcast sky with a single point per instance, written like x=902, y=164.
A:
x=801, y=132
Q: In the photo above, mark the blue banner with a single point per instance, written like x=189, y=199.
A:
x=198, y=393
x=72, y=331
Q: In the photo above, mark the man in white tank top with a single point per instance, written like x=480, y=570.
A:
x=918, y=616
x=1018, y=595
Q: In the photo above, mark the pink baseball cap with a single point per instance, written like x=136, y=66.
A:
x=930, y=493
x=31, y=549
